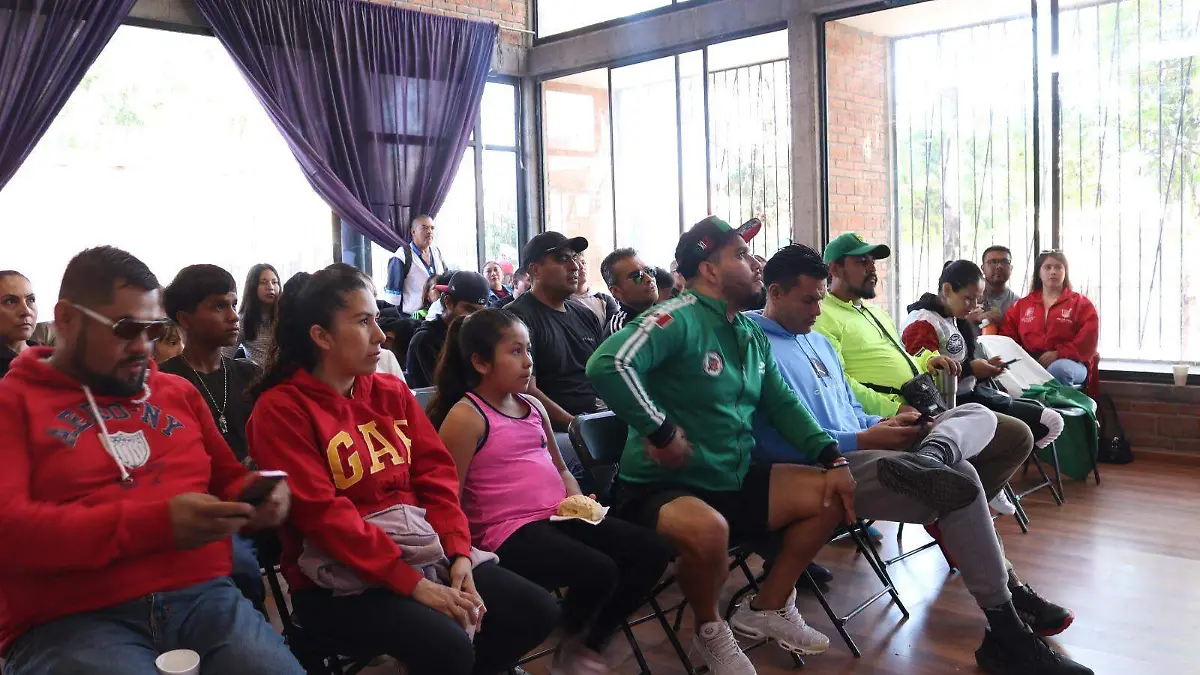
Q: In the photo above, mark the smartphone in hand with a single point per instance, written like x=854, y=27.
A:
x=261, y=487
x=1006, y=364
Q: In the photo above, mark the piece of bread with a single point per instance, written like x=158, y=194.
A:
x=579, y=506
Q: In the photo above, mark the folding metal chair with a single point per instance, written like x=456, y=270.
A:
x=424, y=395
x=317, y=655
x=862, y=541
x=599, y=440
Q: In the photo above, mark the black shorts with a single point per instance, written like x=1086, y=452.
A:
x=746, y=510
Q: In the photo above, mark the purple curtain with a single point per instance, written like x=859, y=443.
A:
x=46, y=47
x=377, y=103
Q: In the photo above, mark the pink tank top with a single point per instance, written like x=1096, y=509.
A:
x=511, y=481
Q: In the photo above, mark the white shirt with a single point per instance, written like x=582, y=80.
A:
x=389, y=364
x=418, y=274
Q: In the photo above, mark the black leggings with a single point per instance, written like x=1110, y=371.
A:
x=607, y=569
x=520, y=615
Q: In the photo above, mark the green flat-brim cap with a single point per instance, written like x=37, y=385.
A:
x=852, y=244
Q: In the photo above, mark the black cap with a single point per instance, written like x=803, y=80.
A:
x=549, y=242
x=466, y=287
x=707, y=237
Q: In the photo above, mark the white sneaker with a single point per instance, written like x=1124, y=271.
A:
x=785, y=626
x=575, y=659
x=1002, y=505
x=721, y=652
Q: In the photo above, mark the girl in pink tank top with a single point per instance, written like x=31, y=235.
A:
x=513, y=478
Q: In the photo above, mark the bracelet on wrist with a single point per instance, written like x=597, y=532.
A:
x=838, y=463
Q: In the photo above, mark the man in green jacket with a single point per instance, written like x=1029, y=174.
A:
x=877, y=365
x=687, y=377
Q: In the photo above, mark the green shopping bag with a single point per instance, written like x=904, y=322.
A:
x=1080, y=439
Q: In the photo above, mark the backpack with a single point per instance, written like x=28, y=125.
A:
x=398, y=268
x=1114, y=446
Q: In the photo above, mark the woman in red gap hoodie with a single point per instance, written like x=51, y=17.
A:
x=1056, y=325
x=355, y=443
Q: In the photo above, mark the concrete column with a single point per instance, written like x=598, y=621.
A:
x=807, y=169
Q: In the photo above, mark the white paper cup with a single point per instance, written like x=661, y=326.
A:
x=1181, y=375
x=178, y=662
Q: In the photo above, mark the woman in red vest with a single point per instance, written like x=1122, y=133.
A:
x=1056, y=325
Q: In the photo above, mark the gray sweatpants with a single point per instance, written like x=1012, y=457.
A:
x=967, y=533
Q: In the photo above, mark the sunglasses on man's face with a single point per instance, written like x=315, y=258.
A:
x=126, y=328
x=641, y=275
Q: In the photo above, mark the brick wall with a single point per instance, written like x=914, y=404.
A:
x=859, y=187
x=1158, y=417
x=511, y=13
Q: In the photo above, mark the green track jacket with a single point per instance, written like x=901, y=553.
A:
x=684, y=364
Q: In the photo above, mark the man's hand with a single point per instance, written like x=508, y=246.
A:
x=987, y=369
x=976, y=315
x=462, y=579
x=839, y=484
x=906, y=408
x=894, y=434
x=456, y=604
x=1047, y=358
x=905, y=418
x=200, y=519
x=944, y=363
x=673, y=455
x=273, y=511
x=994, y=317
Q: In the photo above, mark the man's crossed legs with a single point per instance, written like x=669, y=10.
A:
x=702, y=524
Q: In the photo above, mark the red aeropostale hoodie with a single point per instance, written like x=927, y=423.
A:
x=349, y=457
x=75, y=536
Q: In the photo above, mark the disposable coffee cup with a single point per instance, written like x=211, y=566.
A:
x=178, y=662
x=1181, y=375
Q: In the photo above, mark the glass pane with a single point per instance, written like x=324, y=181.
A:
x=560, y=16
x=695, y=174
x=500, y=208
x=499, y=114
x=751, y=136
x=176, y=170
x=456, y=228
x=1129, y=202
x=646, y=166
x=576, y=160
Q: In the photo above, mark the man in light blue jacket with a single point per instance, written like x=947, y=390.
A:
x=906, y=471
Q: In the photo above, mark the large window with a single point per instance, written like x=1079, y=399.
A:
x=479, y=221
x=560, y=16
x=635, y=154
x=955, y=125
x=171, y=158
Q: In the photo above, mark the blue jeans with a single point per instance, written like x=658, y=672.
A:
x=571, y=459
x=247, y=575
x=212, y=619
x=1068, y=372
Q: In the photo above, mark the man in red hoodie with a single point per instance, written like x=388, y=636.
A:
x=117, y=502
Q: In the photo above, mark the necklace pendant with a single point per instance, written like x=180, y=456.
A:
x=222, y=424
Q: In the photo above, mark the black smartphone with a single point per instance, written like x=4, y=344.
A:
x=1006, y=364
x=257, y=492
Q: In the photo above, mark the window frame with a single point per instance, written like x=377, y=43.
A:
x=675, y=6
x=608, y=67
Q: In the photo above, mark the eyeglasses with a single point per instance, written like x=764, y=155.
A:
x=1002, y=262
x=640, y=275
x=126, y=328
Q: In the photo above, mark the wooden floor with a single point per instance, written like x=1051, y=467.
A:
x=1124, y=556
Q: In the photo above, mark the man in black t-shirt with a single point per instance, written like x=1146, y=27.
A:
x=203, y=300
x=563, y=332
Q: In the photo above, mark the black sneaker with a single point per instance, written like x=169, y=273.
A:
x=1024, y=654
x=818, y=573
x=927, y=480
x=1043, y=616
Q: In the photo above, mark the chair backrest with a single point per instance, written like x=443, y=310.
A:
x=424, y=395
x=599, y=440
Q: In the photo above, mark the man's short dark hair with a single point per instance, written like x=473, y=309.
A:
x=995, y=249
x=792, y=261
x=94, y=275
x=611, y=260
x=192, y=285
x=663, y=278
